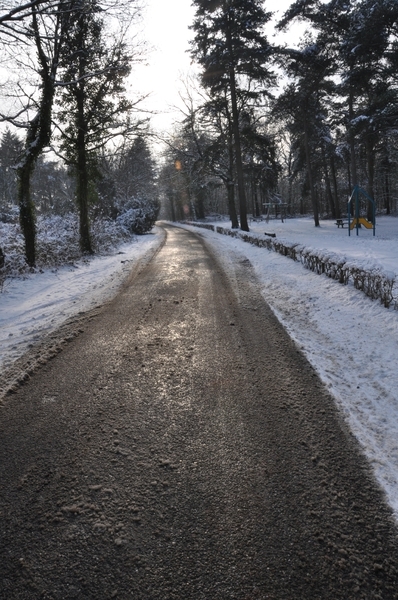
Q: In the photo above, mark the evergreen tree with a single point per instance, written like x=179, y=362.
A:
x=303, y=105
x=230, y=46
x=359, y=35
x=136, y=173
x=11, y=149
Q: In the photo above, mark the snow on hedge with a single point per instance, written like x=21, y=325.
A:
x=366, y=275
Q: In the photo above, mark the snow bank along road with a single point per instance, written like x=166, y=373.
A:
x=181, y=447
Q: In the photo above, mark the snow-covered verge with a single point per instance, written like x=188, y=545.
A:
x=35, y=304
x=351, y=340
x=366, y=275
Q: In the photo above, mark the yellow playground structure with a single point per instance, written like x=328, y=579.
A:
x=361, y=221
x=357, y=220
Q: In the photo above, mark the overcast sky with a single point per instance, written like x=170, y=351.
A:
x=166, y=28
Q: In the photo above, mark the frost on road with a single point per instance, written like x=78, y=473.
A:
x=181, y=447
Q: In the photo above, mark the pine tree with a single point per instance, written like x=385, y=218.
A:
x=136, y=174
x=303, y=105
x=359, y=35
x=231, y=48
x=11, y=149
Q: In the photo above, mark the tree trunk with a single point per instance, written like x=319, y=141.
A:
x=351, y=135
x=238, y=154
x=200, y=204
x=37, y=138
x=256, y=202
x=387, y=203
x=370, y=162
x=172, y=208
x=237, y=145
x=335, y=188
x=82, y=187
x=290, y=183
x=27, y=211
x=329, y=194
x=231, y=204
x=310, y=177
x=82, y=202
x=350, y=187
x=230, y=183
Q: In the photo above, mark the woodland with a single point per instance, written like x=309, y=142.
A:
x=264, y=127
x=297, y=128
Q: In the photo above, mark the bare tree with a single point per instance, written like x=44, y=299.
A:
x=38, y=30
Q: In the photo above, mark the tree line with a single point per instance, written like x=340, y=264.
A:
x=71, y=59
x=300, y=126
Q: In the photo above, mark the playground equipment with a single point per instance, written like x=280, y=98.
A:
x=278, y=206
x=357, y=221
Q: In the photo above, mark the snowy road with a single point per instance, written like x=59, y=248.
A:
x=180, y=446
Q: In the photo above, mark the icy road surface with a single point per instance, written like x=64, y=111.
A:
x=181, y=446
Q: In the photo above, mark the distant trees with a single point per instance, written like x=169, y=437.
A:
x=333, y=121
x=241, y=143
x=11, y=149
x=135, y=173
x=42, y=25
x=135, y=186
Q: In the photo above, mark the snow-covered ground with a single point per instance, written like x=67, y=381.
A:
x=352, y=341
x=33, y=307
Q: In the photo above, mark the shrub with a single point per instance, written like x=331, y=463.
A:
x=138, y=216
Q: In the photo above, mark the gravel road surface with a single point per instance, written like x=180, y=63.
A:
x=181, y=447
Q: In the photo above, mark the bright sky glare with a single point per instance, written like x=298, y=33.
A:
x=166, y=29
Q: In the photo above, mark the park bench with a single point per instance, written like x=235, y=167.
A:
x=341, y=223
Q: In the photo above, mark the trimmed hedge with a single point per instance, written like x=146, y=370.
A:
x=376, y=283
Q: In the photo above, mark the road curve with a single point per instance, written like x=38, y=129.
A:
x=181, y=447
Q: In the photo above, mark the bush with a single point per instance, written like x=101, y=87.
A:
x=138, y=216
x=57, y=243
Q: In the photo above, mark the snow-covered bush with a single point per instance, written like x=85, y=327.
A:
x=138, y=215
x=57, y=243
x=9, y=214
x=12, y=245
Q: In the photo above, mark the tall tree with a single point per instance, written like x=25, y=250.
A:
x=41, y=24
x=207, y=133
x=231, y=47
x=93, y=106
x=136, y=171
x=303, y=104
x=359, y=34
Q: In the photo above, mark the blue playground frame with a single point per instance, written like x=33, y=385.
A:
x=358, y=220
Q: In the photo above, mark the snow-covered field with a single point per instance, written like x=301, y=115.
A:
x=351, y=340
